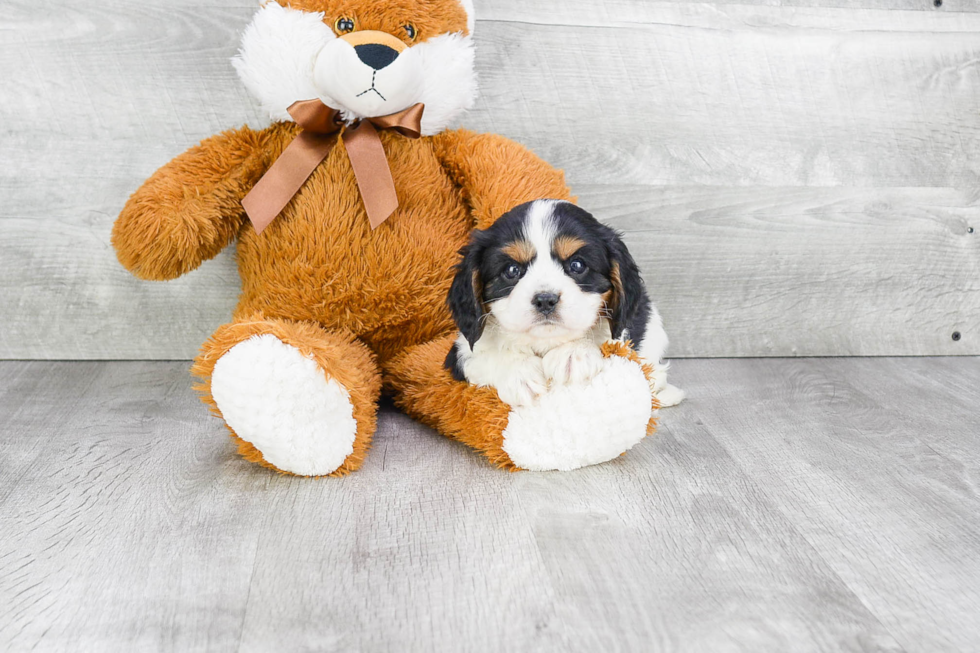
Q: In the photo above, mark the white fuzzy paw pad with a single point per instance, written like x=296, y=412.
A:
x=283, y=403
x=574, y=426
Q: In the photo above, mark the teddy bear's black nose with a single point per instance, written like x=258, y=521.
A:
x=376, y=55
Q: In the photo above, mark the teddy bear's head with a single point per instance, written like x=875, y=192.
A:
x=365, y=58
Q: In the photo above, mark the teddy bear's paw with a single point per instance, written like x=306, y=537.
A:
x=285, y=405
x=572, y=426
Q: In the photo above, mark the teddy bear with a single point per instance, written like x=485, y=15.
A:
x=348, y=212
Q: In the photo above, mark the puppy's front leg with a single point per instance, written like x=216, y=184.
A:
x=574, y=362
x=518, y=379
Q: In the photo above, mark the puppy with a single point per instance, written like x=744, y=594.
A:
x=537, y=294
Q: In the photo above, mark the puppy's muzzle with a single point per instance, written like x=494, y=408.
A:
x=545, y=302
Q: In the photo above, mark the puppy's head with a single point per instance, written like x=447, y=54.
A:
x=546, y=270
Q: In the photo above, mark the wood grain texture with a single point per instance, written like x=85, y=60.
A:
x=824, y=142
x=805, y=271
x=861, y=455
x=805, y=505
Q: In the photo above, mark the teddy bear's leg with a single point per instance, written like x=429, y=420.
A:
x=424, y=389
x=569, y=427
x=297, y=398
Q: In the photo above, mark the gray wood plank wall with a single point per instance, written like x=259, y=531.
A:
x=796, y=177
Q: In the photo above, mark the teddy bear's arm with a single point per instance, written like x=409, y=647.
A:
x=496, y=174
x=190, y=209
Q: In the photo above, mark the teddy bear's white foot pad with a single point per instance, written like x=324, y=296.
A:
x=285, y=405
x=578, y=425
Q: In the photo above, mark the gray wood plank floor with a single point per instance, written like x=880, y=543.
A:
x=788, y=505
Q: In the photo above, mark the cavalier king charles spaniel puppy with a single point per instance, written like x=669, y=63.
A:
x=537, y=294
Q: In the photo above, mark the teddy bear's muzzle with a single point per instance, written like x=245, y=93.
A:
x=368, y=74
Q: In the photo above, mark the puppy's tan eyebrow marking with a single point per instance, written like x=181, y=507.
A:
x=520, y=250
x=566, y=246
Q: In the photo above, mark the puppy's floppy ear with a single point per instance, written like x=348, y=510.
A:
x=466, y=294
x=629, y=306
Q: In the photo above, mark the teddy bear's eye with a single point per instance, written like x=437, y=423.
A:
x=411, y=31
x=344, y=25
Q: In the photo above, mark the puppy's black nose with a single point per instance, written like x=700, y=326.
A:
x=545, y=302
x=376, y=55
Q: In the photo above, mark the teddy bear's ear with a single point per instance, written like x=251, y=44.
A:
x=278, y=49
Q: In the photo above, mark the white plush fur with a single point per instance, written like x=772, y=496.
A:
x=288, y=55
x=574, y=426
x=283, y=403
x=449, y=80
x=345, y=81
x=470, y=14
x=275, y=61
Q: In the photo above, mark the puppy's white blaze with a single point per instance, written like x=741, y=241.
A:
x=539, y=227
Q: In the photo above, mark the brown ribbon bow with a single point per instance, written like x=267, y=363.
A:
x=301, y=157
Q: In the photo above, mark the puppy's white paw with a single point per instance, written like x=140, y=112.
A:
x=668, y=395
x=573, y=362
x=525, y=382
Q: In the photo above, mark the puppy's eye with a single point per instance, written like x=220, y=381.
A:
x=577, y=266
x=344, y=25
x=411, y=31
x=512, y=271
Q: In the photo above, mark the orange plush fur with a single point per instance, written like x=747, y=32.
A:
x=361, y=303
